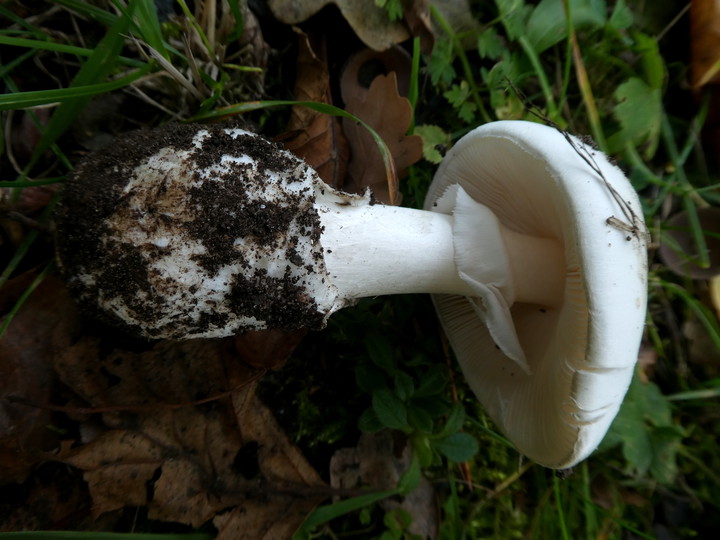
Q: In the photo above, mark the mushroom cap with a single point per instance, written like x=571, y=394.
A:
x=581, y=353
x=189, y=231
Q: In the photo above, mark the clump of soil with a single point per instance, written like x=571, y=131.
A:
x=194, y=231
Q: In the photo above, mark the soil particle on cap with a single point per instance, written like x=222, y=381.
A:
x=223, y=213
x=275, y=300
x=265, y=154
x=212, y=216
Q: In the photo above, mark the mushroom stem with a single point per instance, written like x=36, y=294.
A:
x=537, y=267
x=373, y=250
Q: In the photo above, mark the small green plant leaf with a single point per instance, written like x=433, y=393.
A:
x=440, y=63
x=645, y=429
x=393, y=8
x=434, y=139
x=404, y=385
x=548, y=23
x=369, y=421
x=459, y=97
x=380, y=352
x=666, y=443
x=411, y=477
x=652, y=61
x=369, y=378
x=390, y=410
x=629, y=429
x=458, y=447
x=432, y=382
x=490, y=45
x=420, y=419
x=622, y=16
x=422, y=449
x=514, y=15
x=638, y=110
x=436, y=405
x=396, y=521
x=454, y=423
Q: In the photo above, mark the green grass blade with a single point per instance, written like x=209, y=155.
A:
x=37, y=98
x=22, y=23
x=704, y=315
x=239, y=21
x=326, y=513
x=25, y=245
x=24, y=296
x=560, y=509
x=534, y=59
x=149, y=26
x=93, y=535
x=84, y=9
x=191, y=18
x=413, y=90
x=9, y=67
x=707, y=393
x=38, y=44
x=96, y=69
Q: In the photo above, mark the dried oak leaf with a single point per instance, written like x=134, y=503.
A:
x=187, y=462
x=45, y=323
x=49, y=500
x=269, y=348
x=390, y=115
x=705, y=42
x=378, y=462
x=363, y=66
x=313, y=136
x=370, y=23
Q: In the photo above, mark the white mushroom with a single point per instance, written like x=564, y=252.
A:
x=205, y=231
x=579, y=345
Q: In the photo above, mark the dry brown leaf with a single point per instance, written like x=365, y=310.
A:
x=390, y=114
x=315, y=137
x=45, y=501
x=185, y=461
x=363, y=66
x=370, y=23
x=701, y=349
x=269, y=348
x=705, y=42
x=418, y=20
x=45, y=323
x=378, y=462
x=705, y=65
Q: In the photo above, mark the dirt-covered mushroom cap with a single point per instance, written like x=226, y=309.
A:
x=551, y=373
x=195, y=231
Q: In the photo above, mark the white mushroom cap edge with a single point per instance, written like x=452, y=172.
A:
x=557, y=401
